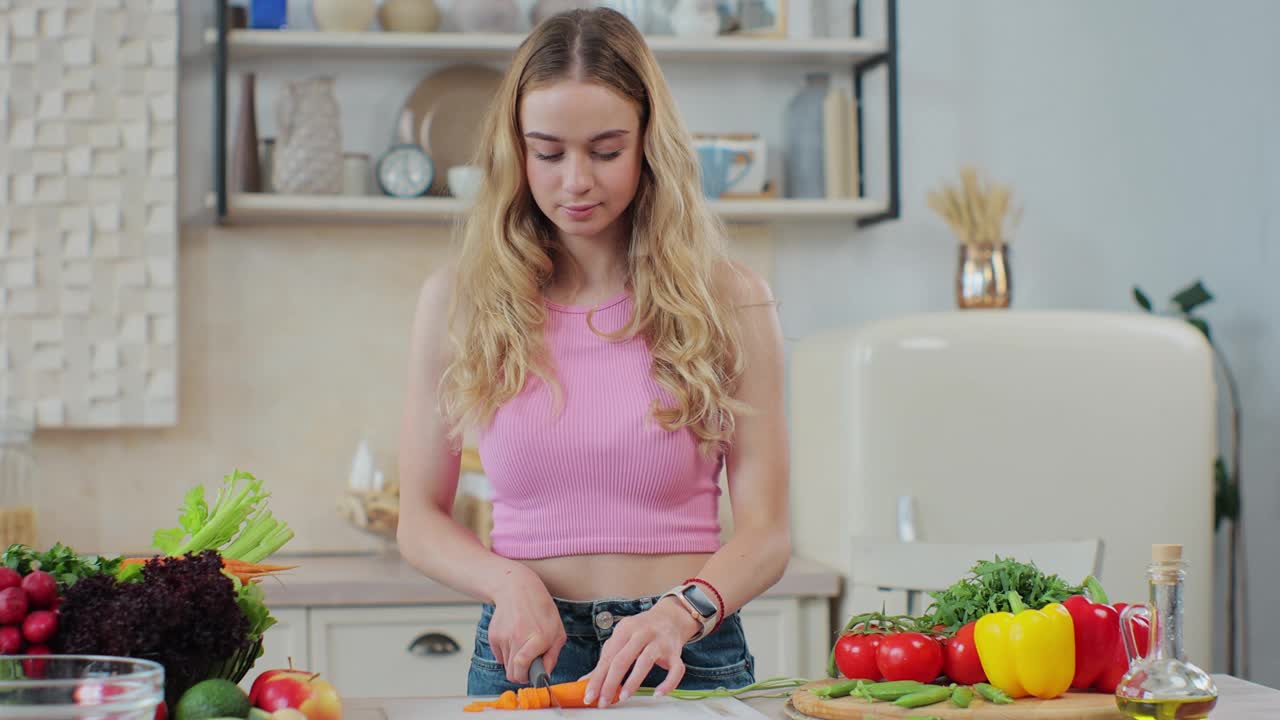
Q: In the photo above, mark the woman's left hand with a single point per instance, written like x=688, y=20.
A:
x=654, y=637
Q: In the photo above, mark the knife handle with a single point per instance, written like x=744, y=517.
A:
x=537, y=671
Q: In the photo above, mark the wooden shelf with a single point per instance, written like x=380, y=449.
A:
x=276, y=44
x=267, y=207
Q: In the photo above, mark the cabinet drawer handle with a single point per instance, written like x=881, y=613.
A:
x=433, y=643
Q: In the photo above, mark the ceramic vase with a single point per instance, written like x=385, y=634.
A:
x=409, y=16
x=805, y=129
x=343, y=15
x=246, y=172
x=308, y=153
x=496, y=16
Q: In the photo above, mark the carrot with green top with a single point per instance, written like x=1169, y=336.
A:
x=245, y=572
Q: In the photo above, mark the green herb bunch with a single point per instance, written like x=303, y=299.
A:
x=986, y=590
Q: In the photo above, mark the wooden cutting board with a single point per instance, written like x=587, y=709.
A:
x=1072, y=706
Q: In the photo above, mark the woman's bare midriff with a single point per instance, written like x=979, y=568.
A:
x=596, y=577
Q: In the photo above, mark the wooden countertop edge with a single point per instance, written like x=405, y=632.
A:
x=347, y=580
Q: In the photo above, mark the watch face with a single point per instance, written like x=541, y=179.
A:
x=405, y=171
x=703, y=604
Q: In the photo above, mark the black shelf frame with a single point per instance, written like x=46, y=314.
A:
x=887, y=60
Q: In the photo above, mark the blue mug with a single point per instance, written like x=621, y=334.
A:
x=718, y=168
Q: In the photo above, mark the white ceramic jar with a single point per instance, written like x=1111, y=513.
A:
x=343, y=15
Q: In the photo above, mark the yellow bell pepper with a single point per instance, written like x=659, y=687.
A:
x=1028, y=652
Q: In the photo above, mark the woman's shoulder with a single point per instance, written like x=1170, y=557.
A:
x=438, y=286
x=738, y=285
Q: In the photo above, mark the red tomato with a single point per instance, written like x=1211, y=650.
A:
x=856, y=656
x=909, y=656
x=960, y=658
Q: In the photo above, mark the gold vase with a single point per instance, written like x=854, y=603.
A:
x=982, y=278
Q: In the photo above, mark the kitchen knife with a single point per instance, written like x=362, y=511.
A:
x=538, y=677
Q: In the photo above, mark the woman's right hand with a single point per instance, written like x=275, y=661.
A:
x=525, y=625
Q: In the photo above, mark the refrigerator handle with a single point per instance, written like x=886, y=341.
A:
x=906, y=518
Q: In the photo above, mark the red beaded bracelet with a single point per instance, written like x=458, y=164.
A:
x=719, y=600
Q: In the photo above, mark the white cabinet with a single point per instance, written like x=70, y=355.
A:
x=394, y=651
x=787, y=635
x=425, y=650
x=283, y=642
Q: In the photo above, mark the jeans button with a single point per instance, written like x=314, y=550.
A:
x=604, y=620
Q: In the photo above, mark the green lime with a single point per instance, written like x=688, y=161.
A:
x=210, y=699
x=259, y=714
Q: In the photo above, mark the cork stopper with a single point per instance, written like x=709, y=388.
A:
x=1165, y=554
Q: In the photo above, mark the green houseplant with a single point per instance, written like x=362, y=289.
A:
x=1226, y=476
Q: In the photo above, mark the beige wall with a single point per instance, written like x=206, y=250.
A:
x=292, y=347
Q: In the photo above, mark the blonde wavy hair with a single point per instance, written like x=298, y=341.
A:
x=676, y=245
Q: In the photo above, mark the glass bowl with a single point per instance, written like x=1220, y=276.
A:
x=79, y=687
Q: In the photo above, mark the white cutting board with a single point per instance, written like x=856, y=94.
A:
x=640, y=708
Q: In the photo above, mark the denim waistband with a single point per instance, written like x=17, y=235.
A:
x=592, y=618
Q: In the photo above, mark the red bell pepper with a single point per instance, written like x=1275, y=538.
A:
x=1119, y=664
x=1097, y=631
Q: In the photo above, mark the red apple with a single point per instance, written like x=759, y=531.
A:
x=306, y=692
x=261, y=681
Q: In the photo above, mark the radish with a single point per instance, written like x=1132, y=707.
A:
x=34, y=667
x=39, y=626
x=41, y=588
x=9, y=578
x=13, y=605
x=10, y=640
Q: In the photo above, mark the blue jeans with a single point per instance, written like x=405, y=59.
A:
x=721, y=659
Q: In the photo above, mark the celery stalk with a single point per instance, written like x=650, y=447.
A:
x=272, y=543
x=258, y=527
x=224, y=520
x=238, y=524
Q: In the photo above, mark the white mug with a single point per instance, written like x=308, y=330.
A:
x=464, y=181
x=355, y=174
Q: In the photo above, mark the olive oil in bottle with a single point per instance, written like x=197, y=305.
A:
x=1179, y=709
x=1163, y=685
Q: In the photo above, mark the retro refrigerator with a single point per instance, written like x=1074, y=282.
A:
x=1011, y=427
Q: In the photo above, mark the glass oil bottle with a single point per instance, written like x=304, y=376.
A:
x=1163, y=685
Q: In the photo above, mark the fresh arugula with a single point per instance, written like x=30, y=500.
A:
x=65, y=565
x=986, y=590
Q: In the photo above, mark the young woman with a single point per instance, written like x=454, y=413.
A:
x=611, y=362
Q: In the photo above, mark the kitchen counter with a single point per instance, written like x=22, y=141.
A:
x=1238, y=700
x=386, y=579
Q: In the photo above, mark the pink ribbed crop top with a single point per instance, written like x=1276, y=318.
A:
x=600, y=476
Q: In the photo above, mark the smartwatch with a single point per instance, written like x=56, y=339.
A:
x=701, y=607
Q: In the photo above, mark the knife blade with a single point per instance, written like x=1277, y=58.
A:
x=538, y=677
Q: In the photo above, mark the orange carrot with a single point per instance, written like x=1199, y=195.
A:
x=246, y=572
x=569, y=695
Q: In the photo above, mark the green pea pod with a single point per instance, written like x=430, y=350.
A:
x=838, y=690
x=962, y=697
x=888, y=690
x=921, y=698
x=992, y=694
